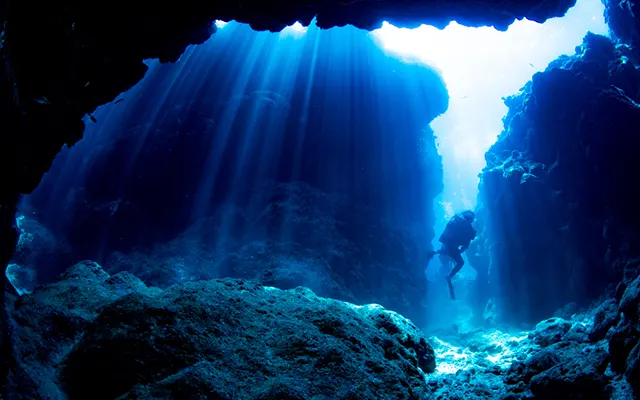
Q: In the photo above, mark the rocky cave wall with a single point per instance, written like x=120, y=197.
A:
x=623, y=19
x=557, y=194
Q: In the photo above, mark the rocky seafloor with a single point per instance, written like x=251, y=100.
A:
x=91, y=335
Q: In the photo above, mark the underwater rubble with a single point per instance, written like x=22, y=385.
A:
x=558, y=359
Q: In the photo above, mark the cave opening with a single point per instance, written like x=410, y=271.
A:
x=331, y=159
x=169, y=165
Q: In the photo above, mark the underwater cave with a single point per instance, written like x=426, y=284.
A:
x=261, y=201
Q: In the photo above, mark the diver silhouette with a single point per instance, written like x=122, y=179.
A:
x=455, y=239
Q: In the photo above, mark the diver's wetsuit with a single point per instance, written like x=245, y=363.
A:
x=453, y=253
x=455, y=239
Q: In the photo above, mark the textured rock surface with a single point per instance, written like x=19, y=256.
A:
x=235, y=339
x=623, y=18
x=624, y=338
x=550, y=331
x=555, y=191
x=606, y=316
x=92, y=335
x=48, y=322
x=568, y=368
x=578, y=373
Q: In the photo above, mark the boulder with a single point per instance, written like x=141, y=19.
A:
x=631, y=300
x=605, y=316
x=567, y=370
x=623, y=338
x=550, y=331
x=106, y=337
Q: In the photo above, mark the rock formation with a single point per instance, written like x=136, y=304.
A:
x=92, y=56
x=559, y=358
x=560, y=214
x=92, y=335
x=95, y=335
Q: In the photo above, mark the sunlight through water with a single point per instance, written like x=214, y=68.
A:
x=296, y=30
x=480, y=66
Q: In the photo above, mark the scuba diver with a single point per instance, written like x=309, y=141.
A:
x=455, y=239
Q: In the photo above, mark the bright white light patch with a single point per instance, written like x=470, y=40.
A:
x=493, y=346
x=220, y=24
x=296, y=30
x=480, y=66
x=297, y=27
x=450, y=359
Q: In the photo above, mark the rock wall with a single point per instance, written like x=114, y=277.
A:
x=560, y=207
x=623, y=20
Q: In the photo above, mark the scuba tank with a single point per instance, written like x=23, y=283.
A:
x=448, y=235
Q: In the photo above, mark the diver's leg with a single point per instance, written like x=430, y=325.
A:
x=445, y=262
x=457, y=258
